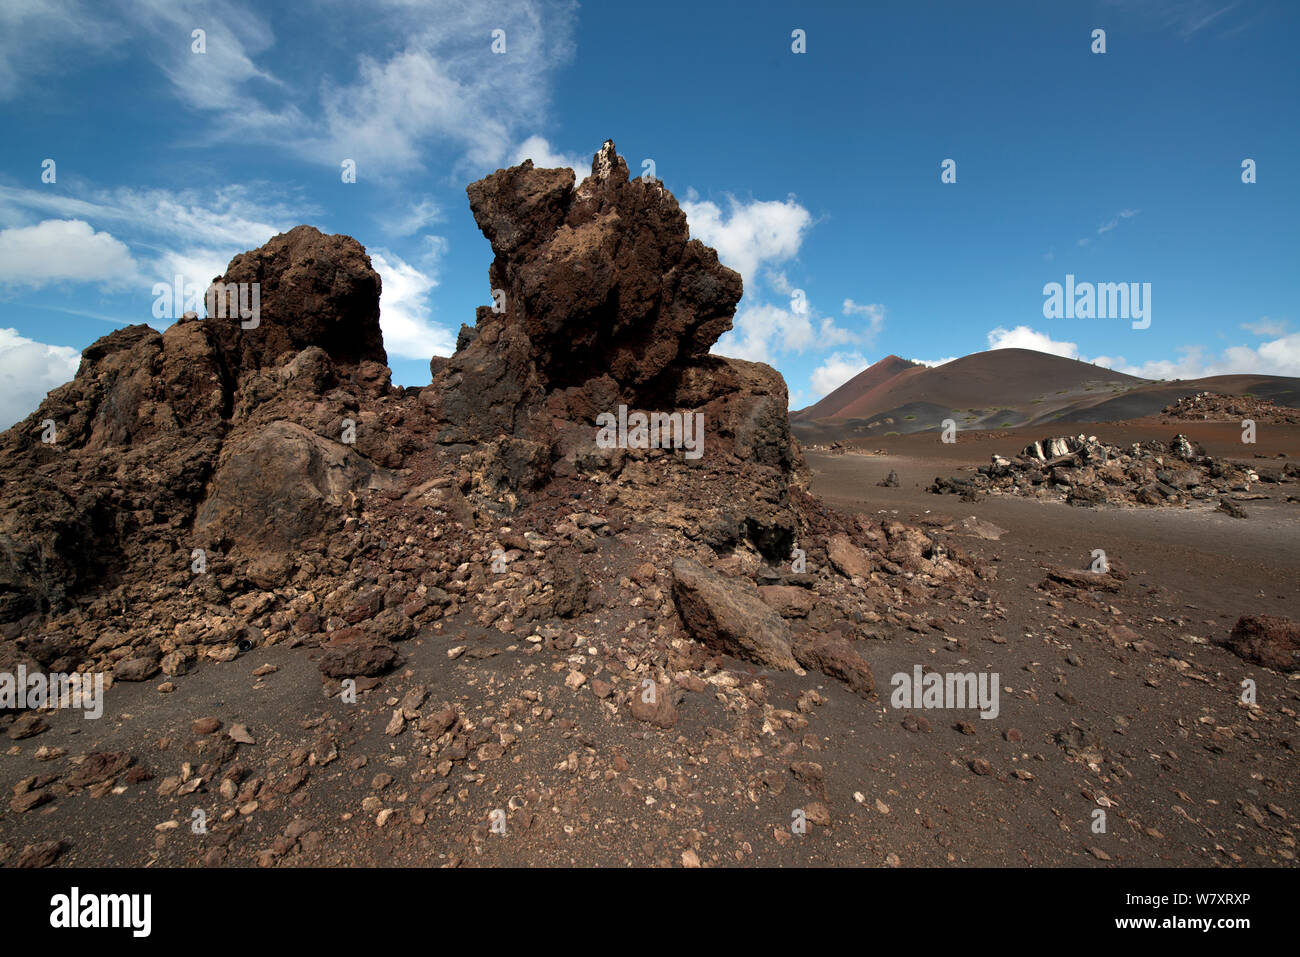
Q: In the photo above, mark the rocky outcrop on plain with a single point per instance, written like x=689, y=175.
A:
x=227, y=485
x=1082, y=470
x=1217, y=407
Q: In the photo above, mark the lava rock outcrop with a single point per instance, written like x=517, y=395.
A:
x=229, y=483
x=1081, y=470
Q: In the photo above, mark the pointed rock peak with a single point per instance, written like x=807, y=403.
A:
x=585, y=304
x=606, y=158
x=607, y=163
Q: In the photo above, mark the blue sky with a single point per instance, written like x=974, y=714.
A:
x=816, y=172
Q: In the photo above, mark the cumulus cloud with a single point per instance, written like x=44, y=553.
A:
x=762, y=331
x=835, y=371
x=754, y=238
x=58, y=250
x=404, y=310
x=537, y=149
x=197, y=266
x=759, y=332
x=187, y=233
x=1279, y=356
x=28, y=370
x=749, y=235
x=1023, y=337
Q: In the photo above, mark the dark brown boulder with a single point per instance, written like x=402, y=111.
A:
x=357, y=657
x=1268, y=640
x=835, y=657
x=729, y=616
x=314, y=290
x=281, y=485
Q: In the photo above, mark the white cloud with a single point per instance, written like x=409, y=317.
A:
x=758, y=332
x=196, y=266
x=749, y=235
x=436, y=80
x=873, y=313
x=1023, y=337
x=28, y=370
x=57, y=250
x=1267, y=326
x=538, y=150
x=835, y=371
x=32, y=32
x=218, y=78
x=409, y=220
x=186, y=233
x=1280, y=356
x=404, y=310
x=229, y=216
x=444, y=85
x=762, y=331
x=934, y=362
x=778, y=281
x=1115, y=220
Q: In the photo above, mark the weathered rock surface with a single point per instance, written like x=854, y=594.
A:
x=315, y=290
x=728, y=615
x=1082, y=470
x=1267, y=640
x=277, y=487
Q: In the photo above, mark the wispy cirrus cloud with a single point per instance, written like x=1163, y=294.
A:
x=1267, y=327
x=434, y=82
x=1111, y=223
x=1115, y=220
x=191, y=233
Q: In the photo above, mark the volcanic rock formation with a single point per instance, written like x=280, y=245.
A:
x=1084, y=471
x=1216, y=407
x=223, y=485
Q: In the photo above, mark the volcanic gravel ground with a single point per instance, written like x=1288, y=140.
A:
x=1115, y=701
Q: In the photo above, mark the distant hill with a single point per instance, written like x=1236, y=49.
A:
x=861, y=384
x=1004, y=388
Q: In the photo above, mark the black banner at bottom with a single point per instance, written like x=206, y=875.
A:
x=338, y=907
